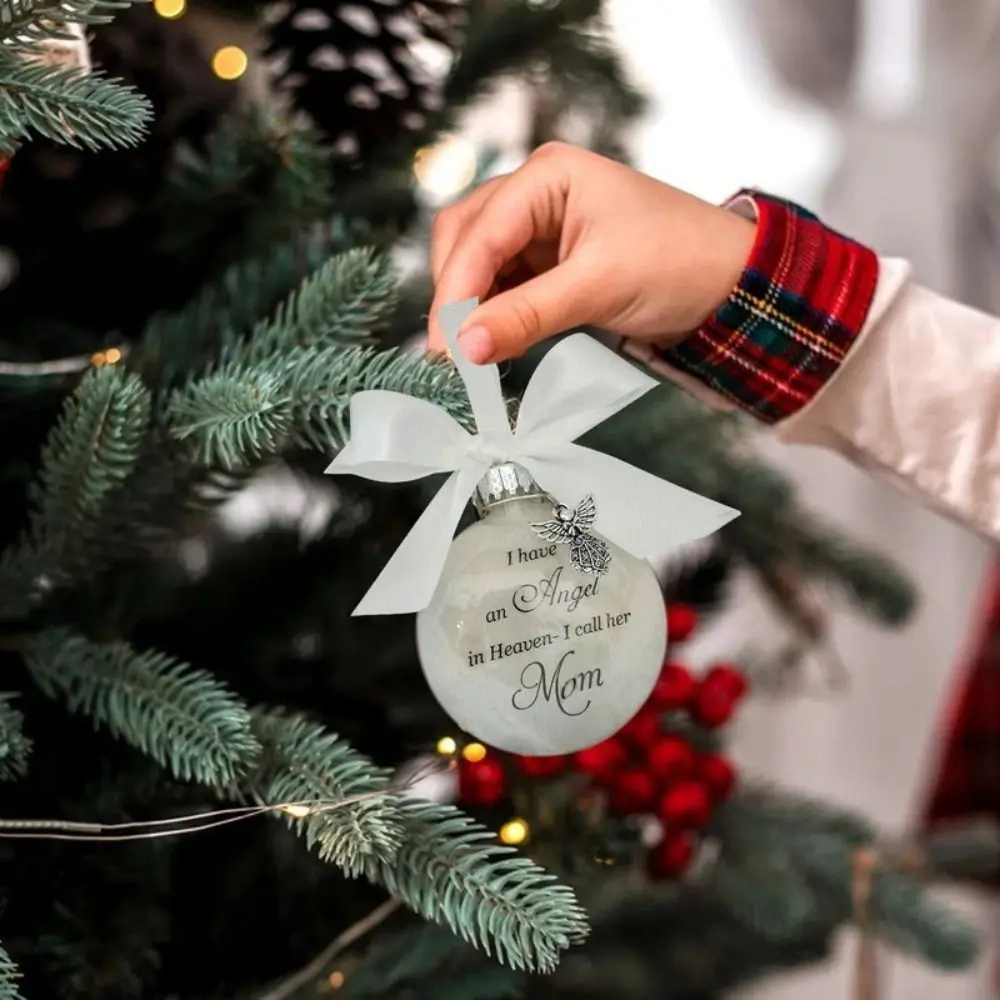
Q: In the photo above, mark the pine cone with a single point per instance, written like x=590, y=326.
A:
x=358, y=69
x=83, y=226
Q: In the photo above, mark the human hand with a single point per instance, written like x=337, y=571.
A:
x=573, y=239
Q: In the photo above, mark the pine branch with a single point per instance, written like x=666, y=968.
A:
x=302, y=762
x=87, y=456
x=9, y=977
x=234, y=417
x=242, y=414
x=26, y=23
x=450, y=869
x=15, y=747
x=89, y=453
x=342, y=303
x=181, y=343
x=87, y=111
x=260, y=178
x=787, y=864
x=430, y=956
x=181, y=717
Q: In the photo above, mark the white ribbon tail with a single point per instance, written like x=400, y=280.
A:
x=408, y=580
x=576, y=386
x=396, y=438
x=639, y=512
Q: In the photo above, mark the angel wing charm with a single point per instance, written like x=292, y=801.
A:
x=587, y=553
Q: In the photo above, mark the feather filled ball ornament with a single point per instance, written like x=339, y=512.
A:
x=542, y=638
x=366, y=73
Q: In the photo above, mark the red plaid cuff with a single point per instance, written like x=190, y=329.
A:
x=799, y=306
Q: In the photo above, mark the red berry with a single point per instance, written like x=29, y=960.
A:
x=541, y=767
x=670, y=759
x=717, y=696
x=672, y=856
x=481, y=782
x=4, y=167
x=632, y=792
x=642, y=729
x=682, y=620
x=718, y=774
x=731, y=678
x=602, y=761
x=674, y=689
x=685, y=806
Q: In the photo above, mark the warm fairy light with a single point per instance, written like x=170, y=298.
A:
x=170, y=9
x=473, y=752
x=298, y=811
x=112, y=356
x=336, y=979
x=98, y=359
x=447, y=168
x=514, y=831
x=446, y=746
x=229, y=63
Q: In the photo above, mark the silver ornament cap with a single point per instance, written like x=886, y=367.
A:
x=502, y=483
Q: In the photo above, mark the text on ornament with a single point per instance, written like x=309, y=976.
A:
x=548, y=593
x=536, y=682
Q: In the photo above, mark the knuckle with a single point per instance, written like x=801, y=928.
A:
x=553, y=149
x=526, y=320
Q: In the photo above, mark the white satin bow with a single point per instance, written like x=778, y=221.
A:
x=577, y=385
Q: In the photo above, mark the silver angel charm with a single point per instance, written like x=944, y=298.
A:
x=587, y=553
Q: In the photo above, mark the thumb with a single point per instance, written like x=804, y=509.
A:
x=506, y=325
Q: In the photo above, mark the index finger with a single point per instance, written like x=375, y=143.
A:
x=530, y=206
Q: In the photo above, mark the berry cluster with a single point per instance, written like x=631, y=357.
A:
x=643, y=770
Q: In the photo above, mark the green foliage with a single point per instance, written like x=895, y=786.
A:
x=15, y=747
x=87, y=111
x=233, y=417
x=87, y=456
x=451, y=870
x=181, y=717
x=180, y=343
x=25, y=23
x=355, y=819
x=428, y=962
x=788, y=864
x=260, y=179
x=8, y=978
x=342, y=303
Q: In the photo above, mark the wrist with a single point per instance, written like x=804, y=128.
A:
x=791, y=318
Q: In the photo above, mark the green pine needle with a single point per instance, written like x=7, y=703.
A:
x=9, y=977
x=181, y=717
x=451, y=870
x=25, y=23
x=428, y=958
x=233, y=417
x=177, y=344
x=85, y=110
x=87, y=456
x=242, y=414
x=344, y=302
x=322, y=381
x=15, y=747
x=302, y=763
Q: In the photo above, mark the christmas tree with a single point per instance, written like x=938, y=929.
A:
x=219, y=784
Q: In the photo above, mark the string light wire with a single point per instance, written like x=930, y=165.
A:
x=57, y=829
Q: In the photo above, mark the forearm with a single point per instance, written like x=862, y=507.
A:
x=836, y=348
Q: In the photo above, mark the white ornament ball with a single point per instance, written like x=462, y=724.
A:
x=529, y=654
